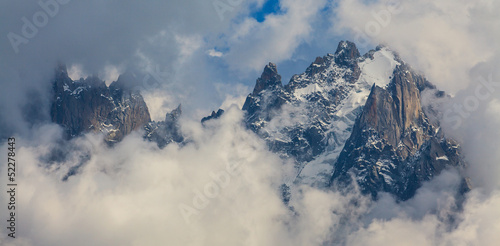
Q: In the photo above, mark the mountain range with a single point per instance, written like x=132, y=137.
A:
x=347, y=118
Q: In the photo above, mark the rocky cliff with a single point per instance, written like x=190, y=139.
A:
x=393, y=146
x=354, y=116
x=88, y=105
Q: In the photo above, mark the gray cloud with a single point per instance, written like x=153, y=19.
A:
x=130, y=194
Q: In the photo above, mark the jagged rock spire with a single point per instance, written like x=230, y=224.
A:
x=346, y=53
x=269, y=78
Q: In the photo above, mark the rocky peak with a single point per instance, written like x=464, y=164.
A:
x=167, y=131
x=393, y=146
x=61, y=70
x=214, y=115
x=319, y=65
x=88, y=105
x=174, y=115
x=346, y=53
x=269, y=79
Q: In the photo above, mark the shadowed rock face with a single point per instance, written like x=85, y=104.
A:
x=270, y=102
x=339, y=119
x=335, y=118
x=393, y=146
x=167, y=131
x=269, y=79
x=214, y=115
x=90, y=106
x=268, y=95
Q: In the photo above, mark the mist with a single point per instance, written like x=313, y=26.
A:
x=223, y=186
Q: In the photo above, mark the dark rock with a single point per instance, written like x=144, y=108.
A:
x=214, y=115
x=88, y=105
x=346, y=53
x=393, y=146
x=268, y=80
x=305, y=140
x=167, y=131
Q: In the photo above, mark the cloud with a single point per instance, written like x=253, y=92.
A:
x=275, y=39
x=131, y=194
x=222, y=188
x=214, y=53
x=443, y=39
x=103, y=38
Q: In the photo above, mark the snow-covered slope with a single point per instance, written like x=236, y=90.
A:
x=312, y=117
x=319, y=108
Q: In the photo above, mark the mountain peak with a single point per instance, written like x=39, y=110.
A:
x=271, y=68
x=346, y=53
x=61, y=68
x=214, y=115
x=174, y=114
x=269, y=78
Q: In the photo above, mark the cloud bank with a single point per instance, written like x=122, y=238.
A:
x=223, y=188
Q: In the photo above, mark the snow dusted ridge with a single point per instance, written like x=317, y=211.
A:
x=349, y=113
x=375, y=69
x=311, y=117
x=379, y=69
x=89, y=105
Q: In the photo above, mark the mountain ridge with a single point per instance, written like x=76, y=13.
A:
x=345, y=116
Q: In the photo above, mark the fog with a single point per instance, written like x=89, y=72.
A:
x=223, y=187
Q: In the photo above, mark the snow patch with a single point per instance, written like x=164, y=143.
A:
x=312, y=88
x=78, y=90
x=445, y=158
x=378, y=70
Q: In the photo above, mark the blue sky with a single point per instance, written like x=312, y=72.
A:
x=269, y=7
x=319, y=44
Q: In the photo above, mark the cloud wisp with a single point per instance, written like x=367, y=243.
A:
x=223, y=187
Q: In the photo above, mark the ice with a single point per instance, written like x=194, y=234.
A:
x=380, y=69
x=78, y=90
x=300, y=93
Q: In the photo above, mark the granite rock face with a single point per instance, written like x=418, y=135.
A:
x=167, y=131
x=214, y=115
x=355, y=116
x=394, y=147
x=296, y=119
x=88, y=105
x=347, y=118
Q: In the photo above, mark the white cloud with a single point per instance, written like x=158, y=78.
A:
x=75, y=72
x=129, y=195
x=214, y=53
x=442, y=38
x=253, y=44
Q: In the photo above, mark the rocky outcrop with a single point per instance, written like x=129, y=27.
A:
x=393, y=146
x=167, y=131
x=295, y=119
x=212, y=116
x=267, y=96
x=269, y=79
x=353, y=116
x=88, y=105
